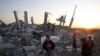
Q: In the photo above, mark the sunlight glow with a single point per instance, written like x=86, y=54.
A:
x=87, y=14
x=86, y=23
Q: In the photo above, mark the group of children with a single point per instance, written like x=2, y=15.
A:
x=87, y=46
x=86, y=50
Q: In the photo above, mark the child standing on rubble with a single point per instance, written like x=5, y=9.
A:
x=48, y=45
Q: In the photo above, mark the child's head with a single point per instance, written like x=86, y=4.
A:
x=47, y=37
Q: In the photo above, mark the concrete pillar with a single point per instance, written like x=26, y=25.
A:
x=32, y=20
x=45, y=17
x=64, y=20
x=26, y=18
x=17, y=21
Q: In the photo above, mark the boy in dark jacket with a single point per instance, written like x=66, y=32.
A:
x=48, y=45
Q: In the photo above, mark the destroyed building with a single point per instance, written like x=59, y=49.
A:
x=17, y=39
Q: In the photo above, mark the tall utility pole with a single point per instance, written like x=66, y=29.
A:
x=17, y=21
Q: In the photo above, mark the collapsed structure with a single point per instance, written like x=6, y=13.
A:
x=23, y=39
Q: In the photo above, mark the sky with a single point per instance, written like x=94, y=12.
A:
x=87, y=14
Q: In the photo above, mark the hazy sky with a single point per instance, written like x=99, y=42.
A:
x=87, y=13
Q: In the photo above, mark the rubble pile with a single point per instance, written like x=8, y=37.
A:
x=24, y=42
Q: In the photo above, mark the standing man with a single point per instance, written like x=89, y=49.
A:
x=74, y=41
x=90, y=45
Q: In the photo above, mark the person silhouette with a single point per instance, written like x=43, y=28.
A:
x=90, y=45
x=85, y=49
x=48, y=45
x=74, y=41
